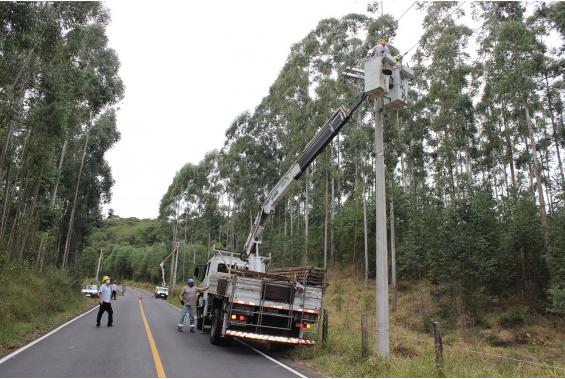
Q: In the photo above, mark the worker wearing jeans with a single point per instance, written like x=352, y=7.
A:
x=188, y=296
x=104, y=298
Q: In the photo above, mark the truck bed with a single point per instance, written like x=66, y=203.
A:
x=249, y=288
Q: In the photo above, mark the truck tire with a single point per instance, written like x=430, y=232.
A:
x=199, y=322
x=216, y=330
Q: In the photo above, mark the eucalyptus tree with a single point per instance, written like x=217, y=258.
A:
x=452, y=128
x=62, y=71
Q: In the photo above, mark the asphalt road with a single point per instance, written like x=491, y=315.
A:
x=79, y=349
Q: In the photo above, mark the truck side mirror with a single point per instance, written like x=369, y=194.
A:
x=196, y=272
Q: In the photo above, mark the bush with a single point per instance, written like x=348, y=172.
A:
x=513, y=318
x=557, y=297
x=368, y=300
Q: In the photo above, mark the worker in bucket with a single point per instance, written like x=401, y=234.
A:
x=188, y=296
x=105, y=299
x=380, y=48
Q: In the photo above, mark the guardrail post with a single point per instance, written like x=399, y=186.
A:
x=438, y=347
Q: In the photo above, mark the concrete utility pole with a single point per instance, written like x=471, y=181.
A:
x=383, y=76
x=382, y=328
x=392, y=253
x=99, y=261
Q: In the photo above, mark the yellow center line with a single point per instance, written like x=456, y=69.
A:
x=152, y=345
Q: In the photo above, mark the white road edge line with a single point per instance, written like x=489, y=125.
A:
x=272, y=359
x=44, y=336
x=251, y=347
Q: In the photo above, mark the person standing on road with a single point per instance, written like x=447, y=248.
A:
x=123, y=289
x=114, y=288
x=104, y=298
x=187, y=297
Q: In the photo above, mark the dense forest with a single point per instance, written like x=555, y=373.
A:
x=474, y=163
x=475, y=179
x=58, y=86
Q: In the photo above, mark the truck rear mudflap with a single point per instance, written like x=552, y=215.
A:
x=266, y=337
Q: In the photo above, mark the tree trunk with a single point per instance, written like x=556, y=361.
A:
x=291, y=214
x=538, y=177
x=306, y=226
x=21, y=96
x=30, y=228
x=338, y=172
x=208, y=250
x=509, y=150
x=20, y=215
x=332, y=221
x=554, y=134
x=7, y=189
x=366, y=282
x=15, y=186
x=73, y=208
x=44, y=236
x=326, y=224
x=531, y=188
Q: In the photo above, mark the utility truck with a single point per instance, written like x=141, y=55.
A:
x=278, y=306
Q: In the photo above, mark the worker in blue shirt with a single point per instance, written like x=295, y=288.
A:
x=104, y=298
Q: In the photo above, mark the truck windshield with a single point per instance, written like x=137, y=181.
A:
x=222, y=268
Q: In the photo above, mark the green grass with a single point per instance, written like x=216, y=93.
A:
x=32, y=304
x=535, y=338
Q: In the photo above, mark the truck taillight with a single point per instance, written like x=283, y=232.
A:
x=237, y=317
x=303, y=325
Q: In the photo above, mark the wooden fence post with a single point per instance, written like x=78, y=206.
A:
x=438, y=346
x=364, y=335
x=325, y=327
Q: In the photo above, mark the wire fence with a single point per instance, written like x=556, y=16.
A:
x=478, y=352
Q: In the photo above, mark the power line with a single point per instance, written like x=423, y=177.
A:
x=449, y=14
x=406, y=11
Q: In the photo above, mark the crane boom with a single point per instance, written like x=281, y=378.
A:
x=163, y=263
x=324, y=136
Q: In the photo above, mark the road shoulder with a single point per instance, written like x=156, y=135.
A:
x=57, y=321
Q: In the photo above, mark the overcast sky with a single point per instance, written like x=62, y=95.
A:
x=190, y=67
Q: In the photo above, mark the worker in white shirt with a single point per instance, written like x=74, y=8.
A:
x=104, y=298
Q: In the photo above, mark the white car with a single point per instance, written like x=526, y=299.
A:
x=90, y=290
x=161, y=292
